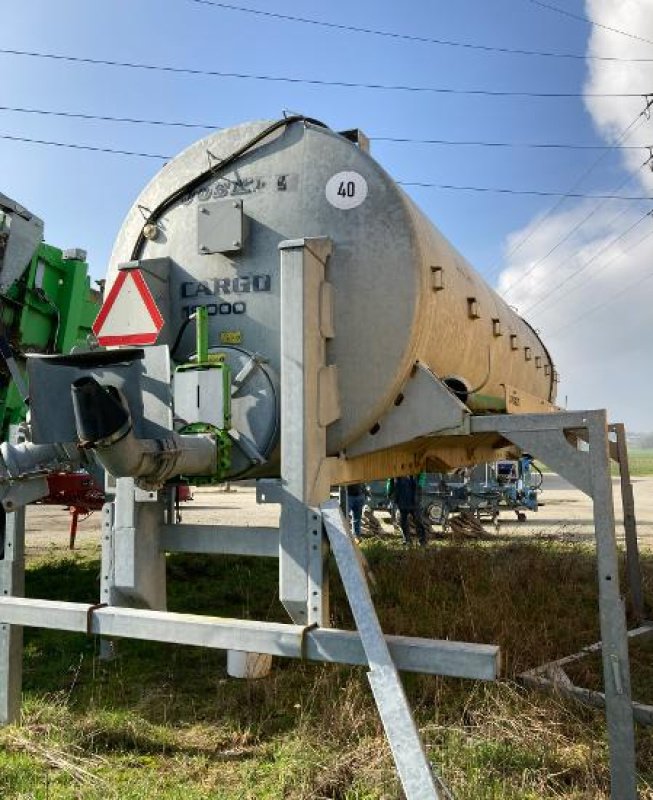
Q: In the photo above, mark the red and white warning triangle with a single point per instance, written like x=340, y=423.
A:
x=129, y=314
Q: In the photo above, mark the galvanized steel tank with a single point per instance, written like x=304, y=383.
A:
x=402, y=292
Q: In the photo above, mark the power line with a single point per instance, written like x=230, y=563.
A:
x=591, y=260
x=573, y=230
x=593, y=310
x=622, y=136
x=534, y=192
x=106, y=118
x=525, y=145
x=409, y=37
x=627, y=131
x=417, y=184
x=607, y=302
x=589, y=21
x=444, y=90
x=393, y=139
x=83, y=147
x=610, y=261
x=568, y=235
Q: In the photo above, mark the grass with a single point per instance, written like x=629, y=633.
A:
x=641, y=461
x=162, y=721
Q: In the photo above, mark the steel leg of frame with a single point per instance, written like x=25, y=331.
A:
x=133, y=565
x=614, y=633
x=12, y=584
x=630, y=522
x=307, y=408
x=543, y=435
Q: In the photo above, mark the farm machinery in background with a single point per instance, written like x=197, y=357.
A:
x=459, y=502
x=47, y=306
x=462, y=501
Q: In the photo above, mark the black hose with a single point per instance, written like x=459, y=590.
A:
x=536, y=484
x=180, y=333
x=178, y=194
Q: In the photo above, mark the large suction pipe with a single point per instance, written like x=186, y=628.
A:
x=104, y=424
x=22, y=460
x=23, y=470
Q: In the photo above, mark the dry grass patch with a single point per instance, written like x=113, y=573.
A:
x=164, y=721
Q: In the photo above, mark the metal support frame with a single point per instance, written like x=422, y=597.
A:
x=12, y=584
x=137, y=532
x=220, y=539
x=135, y=566
x=307, y=407
x=552, y=438
x=138, y=529
x=553, y=676
x=619, y=453
x=429, y=656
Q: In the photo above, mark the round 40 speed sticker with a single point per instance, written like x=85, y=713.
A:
x=346, y=190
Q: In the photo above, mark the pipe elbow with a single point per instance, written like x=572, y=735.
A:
x=104, y=423
x=101, y=415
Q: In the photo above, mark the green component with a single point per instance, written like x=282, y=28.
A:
x=203, y=359
x=210, y=361
x=485, y=403
x=50, y=308
x=223, y=461
x=226, y=393
x=226, y=386
x=202, y=335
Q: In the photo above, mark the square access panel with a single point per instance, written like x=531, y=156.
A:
x=220, y=226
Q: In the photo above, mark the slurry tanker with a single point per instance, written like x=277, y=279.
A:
x=278, y=309
x=199, y=250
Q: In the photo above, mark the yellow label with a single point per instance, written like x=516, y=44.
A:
x=231, y=337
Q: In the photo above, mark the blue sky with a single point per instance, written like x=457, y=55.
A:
x=83, y=196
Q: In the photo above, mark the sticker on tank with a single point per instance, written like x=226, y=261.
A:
x=231, y=337
x=346, y=190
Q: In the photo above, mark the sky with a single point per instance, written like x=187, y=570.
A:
x=577, y=268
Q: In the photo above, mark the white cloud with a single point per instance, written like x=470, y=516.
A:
x=604, y=357
x=613, y=115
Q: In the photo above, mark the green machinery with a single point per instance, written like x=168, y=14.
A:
x=191, y=381
x=47, y=304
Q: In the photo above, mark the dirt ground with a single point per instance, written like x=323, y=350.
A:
x=565, y=512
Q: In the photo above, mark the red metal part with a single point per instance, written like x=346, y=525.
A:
x=81, y=495
x=184, y=493
x=78, y=492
